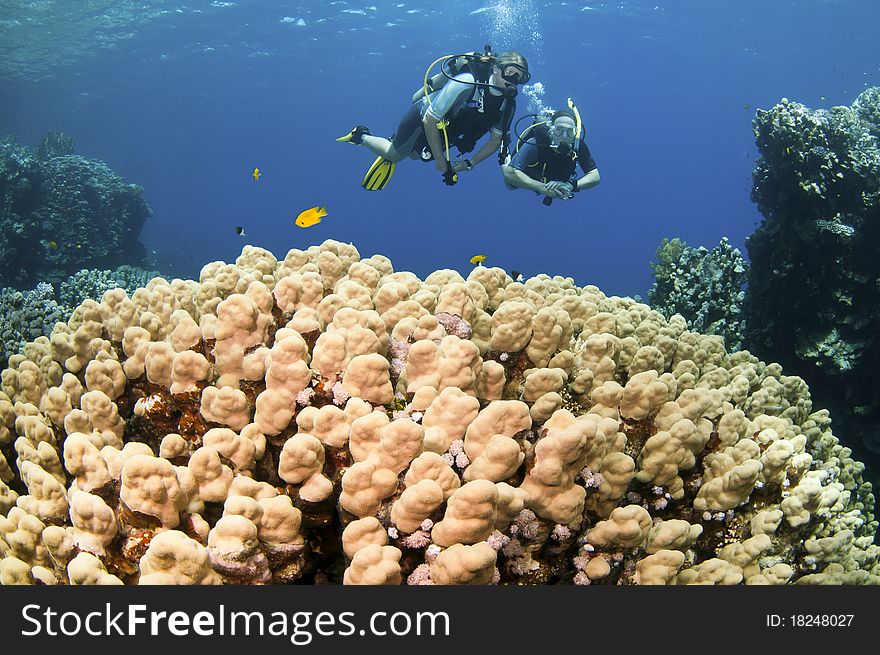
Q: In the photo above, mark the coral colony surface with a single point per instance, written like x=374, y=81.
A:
x=814, y=283
x=705, y=286
x=326, y=419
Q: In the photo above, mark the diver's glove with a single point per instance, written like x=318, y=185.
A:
x=450, y=177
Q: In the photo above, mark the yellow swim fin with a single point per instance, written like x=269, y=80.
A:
x=354, y=137
x=379, y=174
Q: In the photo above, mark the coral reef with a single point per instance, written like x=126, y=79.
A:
x=60, y=212
x=29, y=314
x=26, y=315
x=813, y=301
x=314, y=420
x=92, y=283
x=706, y=287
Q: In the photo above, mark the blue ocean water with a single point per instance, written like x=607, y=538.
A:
x=186, y=98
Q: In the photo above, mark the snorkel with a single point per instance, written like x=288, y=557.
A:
x=577, y=120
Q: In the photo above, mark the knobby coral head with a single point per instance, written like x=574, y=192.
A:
x=284, y=421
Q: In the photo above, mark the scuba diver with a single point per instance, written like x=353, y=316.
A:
x=547, y=155
x=473, y=94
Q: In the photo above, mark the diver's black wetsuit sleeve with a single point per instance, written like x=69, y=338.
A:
x=525, y=159
x=585, y=159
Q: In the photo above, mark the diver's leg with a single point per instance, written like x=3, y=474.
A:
x=381, y=146
x=405, y=138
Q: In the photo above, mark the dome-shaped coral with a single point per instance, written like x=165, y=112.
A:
x=477, y=432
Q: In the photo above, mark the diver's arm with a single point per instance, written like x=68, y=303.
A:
x=516, y=178
x=444, y=104
x=489, y=148
x=588, y=181
x=435, y=140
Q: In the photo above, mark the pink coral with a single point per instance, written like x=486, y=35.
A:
x=420, y=576
x=513, y=548
x=561, y=532
x=591, y=480
x=528, y=524
x=418, y=539
x=456, y=455
x=340, y=395
x=397, y=353
x=454, y=325
x=580, y=562
x=498, y=540
x=581, y=579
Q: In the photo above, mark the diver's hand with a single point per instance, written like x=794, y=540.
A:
x=552, y=190
x=564, y=188
x=459, y=166
x=450, y=177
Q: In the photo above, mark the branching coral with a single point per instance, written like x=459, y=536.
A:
x=31, y=313
x=612, y=447
x=26, y=316
x=705, y=286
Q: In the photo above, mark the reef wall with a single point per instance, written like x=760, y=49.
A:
x=813, y=300
x=324, y=418
x=60, y=212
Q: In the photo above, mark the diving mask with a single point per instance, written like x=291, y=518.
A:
x=518, y=75
x=562, y=137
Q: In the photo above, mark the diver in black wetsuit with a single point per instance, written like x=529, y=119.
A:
x=548, y=155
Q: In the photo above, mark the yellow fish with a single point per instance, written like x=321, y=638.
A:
x=53, y=245
x=478, y=259
x=311, y=216
x=256, y=174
